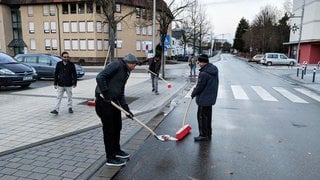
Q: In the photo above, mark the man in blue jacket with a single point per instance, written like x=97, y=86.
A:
x=111, y=87
x=205, y=92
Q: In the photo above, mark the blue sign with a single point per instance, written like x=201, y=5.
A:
x=166, y=42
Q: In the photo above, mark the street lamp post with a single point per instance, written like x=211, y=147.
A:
x=154, y=28
x=300, y=30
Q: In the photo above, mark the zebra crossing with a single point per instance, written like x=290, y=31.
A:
x=269, y=94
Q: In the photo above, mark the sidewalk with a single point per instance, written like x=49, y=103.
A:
x=35, y=144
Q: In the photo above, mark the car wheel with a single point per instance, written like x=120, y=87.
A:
x=25, y=85
x=269, y=63
x=291, y=63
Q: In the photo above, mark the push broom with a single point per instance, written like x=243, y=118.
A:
x=93, y=102
x=186, y=128
x=158, y=137
x=168, y=84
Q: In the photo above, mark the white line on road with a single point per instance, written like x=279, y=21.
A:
x=239, y=93
x=289, y=95
x=264, y=94
x=308, y=93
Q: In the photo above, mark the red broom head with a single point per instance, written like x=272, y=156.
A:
x=169, y=85
x=91, y=103
x=183, y=131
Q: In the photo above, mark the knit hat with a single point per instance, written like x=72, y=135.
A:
x=130, y=58
x=203, y=58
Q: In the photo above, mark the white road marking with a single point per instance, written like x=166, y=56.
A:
x=239, y=93
x=289, y=95
x=264, y=94
x=308, y=93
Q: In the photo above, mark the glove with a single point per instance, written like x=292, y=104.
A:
x=105, y=96
x=126, y=108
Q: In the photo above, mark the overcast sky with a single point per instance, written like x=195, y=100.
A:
x=225, y=15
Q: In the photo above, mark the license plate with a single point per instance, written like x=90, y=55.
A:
x=27, y=78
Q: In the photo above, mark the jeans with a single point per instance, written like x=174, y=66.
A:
x=204, y=116
x=154, y=79
x=192, y=69
x=61, y=90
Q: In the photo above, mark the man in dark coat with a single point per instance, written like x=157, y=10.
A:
x=205, y=92
x=65, y=78
x=111, y=87
x=154, y=67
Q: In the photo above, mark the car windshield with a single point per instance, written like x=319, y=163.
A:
x=6, y=59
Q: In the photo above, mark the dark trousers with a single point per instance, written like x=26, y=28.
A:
x=111, y=126
x=204, y=116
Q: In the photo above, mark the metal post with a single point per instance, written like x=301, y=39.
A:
x=154, y=28
x=301, y=21
x=297, y=71
x=302, y=73
x=314, y=74
x=305, y=68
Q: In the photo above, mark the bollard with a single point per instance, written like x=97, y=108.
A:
x=318, y=64
x=305, y=68
x=302, y=72
x=298, y=71
x=314, y=74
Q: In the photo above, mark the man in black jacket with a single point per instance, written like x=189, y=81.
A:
x=111, y=87
x=65, y=78
x=206, y=92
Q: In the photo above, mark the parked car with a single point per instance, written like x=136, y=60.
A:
x=45, y=64
x=183, y=57
x=13, y=73
x=277, y=59
x=256, y=58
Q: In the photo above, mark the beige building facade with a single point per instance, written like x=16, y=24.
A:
x=79, y=27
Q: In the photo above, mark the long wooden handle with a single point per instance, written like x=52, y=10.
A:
x=186, y=112
x=105, y=61
x=157, y=75
x=134, y=118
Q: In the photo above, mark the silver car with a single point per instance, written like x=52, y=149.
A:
x=277, y=59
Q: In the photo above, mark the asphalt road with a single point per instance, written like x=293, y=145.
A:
x=261, y=130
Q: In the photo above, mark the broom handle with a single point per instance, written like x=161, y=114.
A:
x=186, y=112
x=105, y=61
x=157, y=75
x=134, y=118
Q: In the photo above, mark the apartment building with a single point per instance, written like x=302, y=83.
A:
x=76, y=26
x=304, y=42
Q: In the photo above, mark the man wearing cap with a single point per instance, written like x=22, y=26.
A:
x=111, y=87
x=205, y=92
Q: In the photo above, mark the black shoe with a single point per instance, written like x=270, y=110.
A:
x=54, y=112
x=115, y=162
x=201, y=138
x=122, y=154
x=153, y=90
x=156, y=92
x=70, y=110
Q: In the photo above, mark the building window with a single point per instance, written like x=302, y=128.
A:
x=65, y=8
x=144, y=30
x=150, y=14
x=81, y=8
x=45, y=10
x=119, y=43
x=149, y=30
x=98, y=9
x=119, y=27
x=99, y=26
x=46, y=27
x=106, y=28
x=99, y=44
x=118, y=8
x=54, y=44
x=106, y=44
x=144, y=15
x=66, y=27
x=90, y=44
x=73, y=8
x=83, y=44
x=138, y=12
x=75, y=44
x=31, y=27
x=53, y=27
x=67, y=44
x=138, y=45
x=30, y=10
x=47, y=44
x=74, y=27
x=82, y=26
x=32, y=44
x=89, y=7
x=52, y=10
x=138, y=29
x=90, y=26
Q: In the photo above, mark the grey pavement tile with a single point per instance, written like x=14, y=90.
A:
x=39, y=163
x=40, y=170
x=22, y=173
x=8, y=177
x=67, y=168
x=27, y=167
x=55, y=160
x=42, y=158
x=13, y=165
x=8, y=171
x=55, y=172
x=53, y=177
x=53, y=165
x=69, y=162
x=37, y=176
